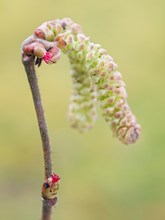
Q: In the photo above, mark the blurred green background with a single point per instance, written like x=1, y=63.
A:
x=100, y=177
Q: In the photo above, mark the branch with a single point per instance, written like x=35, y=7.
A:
x=28, y=62
x=47, y=202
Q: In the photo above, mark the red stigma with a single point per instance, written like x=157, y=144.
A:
x=55, y=178
x=47, y=58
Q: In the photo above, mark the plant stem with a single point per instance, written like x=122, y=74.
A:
x=46, y=210
x=28, y=62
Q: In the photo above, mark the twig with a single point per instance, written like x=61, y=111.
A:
x=28, y=62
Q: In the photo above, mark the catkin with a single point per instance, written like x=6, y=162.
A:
x=95, y=79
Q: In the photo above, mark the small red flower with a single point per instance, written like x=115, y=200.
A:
x=47, y=57
x=55, y=179
x=52, y=55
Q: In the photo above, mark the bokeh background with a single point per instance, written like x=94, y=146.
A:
x=100, y=177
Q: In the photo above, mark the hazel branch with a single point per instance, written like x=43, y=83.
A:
x=28, y=62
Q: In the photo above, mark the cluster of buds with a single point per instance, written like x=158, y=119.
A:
x=50, y=55
x=51, y=29
x=94, y=77
x=50, y=187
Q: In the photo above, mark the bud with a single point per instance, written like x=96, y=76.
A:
x=29, y=49
x=50, y=187
x=61, y=43
x=49, y=35
x=55, y=54
x=76, y=29
x=39, y=33
x=44, y=32
x=55, y=27
x=66, y=22
x=82, y=38
x=39, y=50
x=131, y=135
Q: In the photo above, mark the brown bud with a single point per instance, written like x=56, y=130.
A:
x=60, y=42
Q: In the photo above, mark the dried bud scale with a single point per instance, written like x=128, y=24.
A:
x=94, y=78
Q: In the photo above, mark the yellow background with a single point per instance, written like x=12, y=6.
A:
x=100, y=177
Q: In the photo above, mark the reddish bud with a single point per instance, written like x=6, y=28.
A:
x=29, y=49
x=39, y=33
